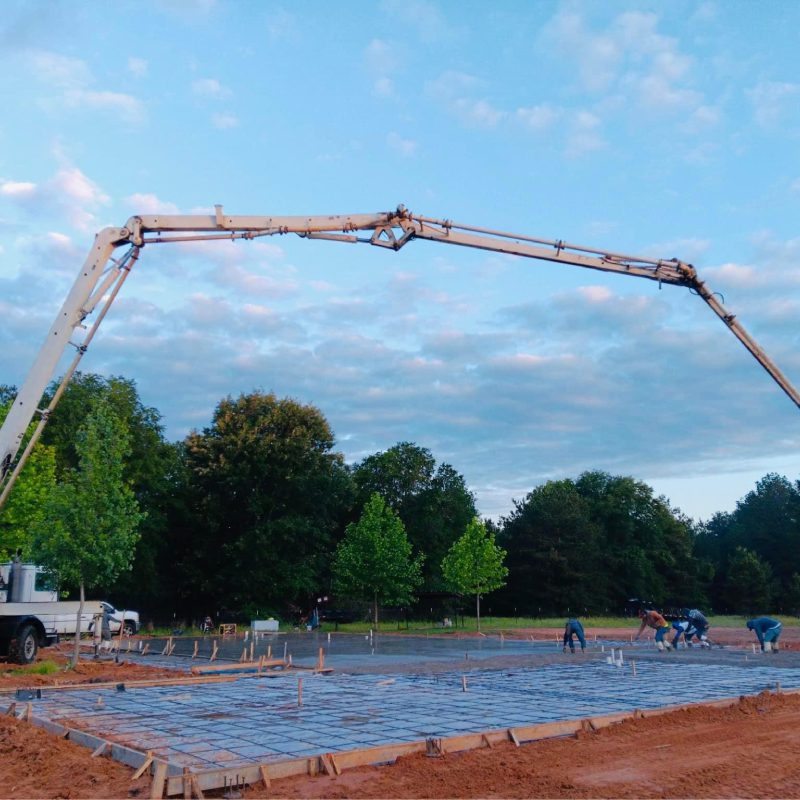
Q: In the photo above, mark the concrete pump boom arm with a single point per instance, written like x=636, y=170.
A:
x=101, y=277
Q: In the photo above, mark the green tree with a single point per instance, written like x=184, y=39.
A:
x=749, y=582
x=89, y=526
x=373, y=561
x=152, y=471
x=552, y=543
x=25, y=502
x=433, y=502
x=474, y=564
x=266, y=496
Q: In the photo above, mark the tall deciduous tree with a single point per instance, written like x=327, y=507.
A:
x=749, y=582
x=89, y=526
x=433, y=502
x=374, y=561
x=268, y=495
x=474, y=564
x=553, y=552
x=152, y=467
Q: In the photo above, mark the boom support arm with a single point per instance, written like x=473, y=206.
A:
x=101, y=277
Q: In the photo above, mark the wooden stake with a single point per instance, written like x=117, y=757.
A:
x=157, y=786
x=187, y=784
x=321, y=659
x=194, y=652
x=213, y=651
x=244, y=654
x=485, y=740
x=252, y=647
x=269, y=651
x=198, y=792
x=100, y=749
x=513, y=737
x=145, y=648
x=299, y=691
x=463, y=683
x=145, y=766
x=262, y=768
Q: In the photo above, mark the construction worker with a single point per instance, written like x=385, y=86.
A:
x=573, y=628
x=697, y=620
x=767, y=630
x=652, y=619
x=682, y=627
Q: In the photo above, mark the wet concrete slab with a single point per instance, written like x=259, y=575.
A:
x=258, y=719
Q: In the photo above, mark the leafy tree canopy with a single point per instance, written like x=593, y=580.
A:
x=474, y=563
x=433, y=502
x=374, y=560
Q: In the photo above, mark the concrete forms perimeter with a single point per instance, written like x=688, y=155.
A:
x=235, y=730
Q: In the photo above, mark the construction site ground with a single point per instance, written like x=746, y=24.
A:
x=396, y=689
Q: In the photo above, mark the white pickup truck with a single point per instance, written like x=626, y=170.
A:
x=32, y=616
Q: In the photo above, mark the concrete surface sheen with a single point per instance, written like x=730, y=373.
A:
x=258, y=719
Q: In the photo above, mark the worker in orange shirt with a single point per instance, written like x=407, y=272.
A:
x=652, y=619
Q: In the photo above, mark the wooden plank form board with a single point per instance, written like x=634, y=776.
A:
x=382, y=754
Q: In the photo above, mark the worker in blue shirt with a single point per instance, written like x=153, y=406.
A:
x=573, y=628
x=767, y=630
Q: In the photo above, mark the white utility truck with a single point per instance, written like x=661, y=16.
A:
x=32, y=616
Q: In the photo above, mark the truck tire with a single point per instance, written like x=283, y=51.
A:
x=26, y=646
x=130, y=628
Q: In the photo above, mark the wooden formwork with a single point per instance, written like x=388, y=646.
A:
x=172, y=780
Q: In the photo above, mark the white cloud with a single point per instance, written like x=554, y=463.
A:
x=74, y=80
x=383, y=87
x=596, y=294
x=538, y=118
x=405, y=147
x=60, y=72
x=210, y=87
x=629, y=56
x=771, y=99
x=224, y=122
x=584, y=134
x=128, y=106
x=382, y=61
x=20, y=190
x=137, y=66
x=70, y=193
x=150, y=204
x=381, y=57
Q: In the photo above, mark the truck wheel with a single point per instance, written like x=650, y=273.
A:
x=26, y=646
x=130, y=628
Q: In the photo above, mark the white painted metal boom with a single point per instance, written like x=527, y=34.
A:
x=102, y=276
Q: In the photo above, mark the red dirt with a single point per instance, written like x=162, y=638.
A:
x=749, y=750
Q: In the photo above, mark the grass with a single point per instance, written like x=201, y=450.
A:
x=496, y=624
x=488, y=625
x=41, y=668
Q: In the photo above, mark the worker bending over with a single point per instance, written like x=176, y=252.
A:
x=767, y=630
x=682, y=627
x=573, y=628
x=652, y=619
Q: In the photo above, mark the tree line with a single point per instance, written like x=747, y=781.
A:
x=258, y=514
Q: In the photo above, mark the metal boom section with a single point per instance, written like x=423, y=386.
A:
x=101, y=277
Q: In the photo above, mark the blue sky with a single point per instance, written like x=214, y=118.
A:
x=665, y=130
